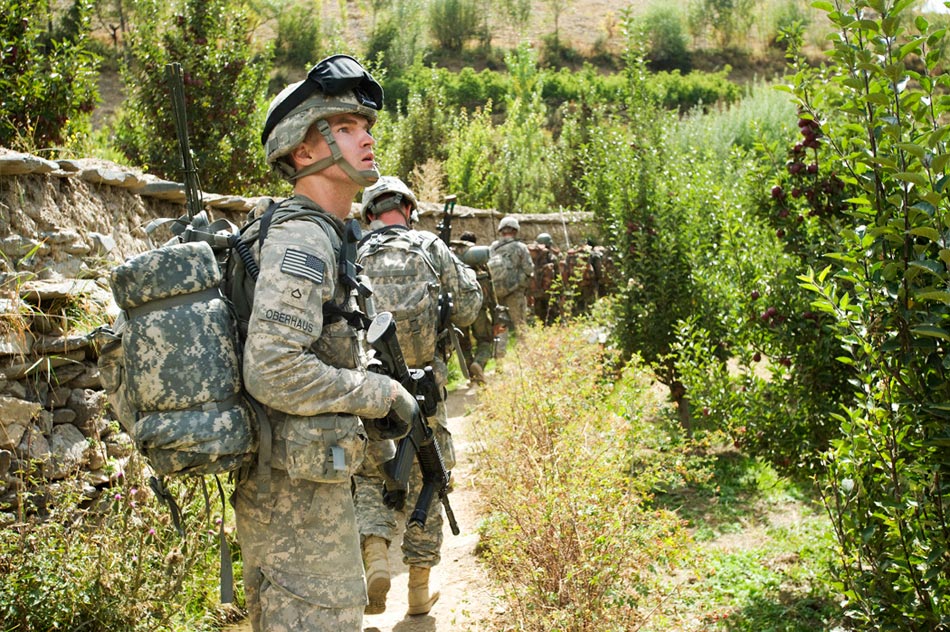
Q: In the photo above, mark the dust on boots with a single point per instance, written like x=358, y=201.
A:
x=376, y=561
x=420, y=601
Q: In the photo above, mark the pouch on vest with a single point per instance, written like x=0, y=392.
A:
x=182, y=371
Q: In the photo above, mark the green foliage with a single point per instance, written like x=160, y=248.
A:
x=47, y=75
x=762, y=116
x=879, y=107
x=666, y=47
x=406, y=142
x=726, y=22
x=397, y=39
x=299, y=39
x=469, y=166
x=119, y=564
x=225, y=95
x=570, y=532
x=453, y=22
x=685, y=92
x=524, y=150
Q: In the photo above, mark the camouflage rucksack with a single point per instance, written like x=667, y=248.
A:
x=175, y=374
x=173, y=367
x=504, y=279
x=396, y=260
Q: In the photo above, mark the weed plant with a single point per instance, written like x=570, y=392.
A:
x=114, y=563
x=602, y=515
x=570, y=531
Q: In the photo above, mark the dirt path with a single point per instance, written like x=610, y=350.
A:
x=467, y=603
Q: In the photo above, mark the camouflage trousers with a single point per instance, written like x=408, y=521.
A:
x=517, y=305
x=372, y=514
x=301, y=552
x=420, y=547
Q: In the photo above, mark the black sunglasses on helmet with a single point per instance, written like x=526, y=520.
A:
x=334, y=75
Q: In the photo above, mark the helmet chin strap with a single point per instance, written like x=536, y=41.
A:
x=363, y=178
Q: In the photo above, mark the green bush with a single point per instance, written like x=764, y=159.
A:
x=225, y=95
x=118, y=564
x=48, y=76
x=883, y=289
x=298, y=43
x=666, y=39
x=685, y=92
x=452, y=23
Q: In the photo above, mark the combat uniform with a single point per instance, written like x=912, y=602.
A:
x=421, y=547
x=515, y=272
x=299, y=540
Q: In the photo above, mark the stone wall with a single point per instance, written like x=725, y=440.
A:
x=62, y=226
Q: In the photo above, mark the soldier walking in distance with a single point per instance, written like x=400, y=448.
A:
x=481, y=329
x=413, y=274
x=511, y=269
x=298, y=532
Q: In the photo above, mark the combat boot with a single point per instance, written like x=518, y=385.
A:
x=376, y=561
x=477, y=372
x=420, y=601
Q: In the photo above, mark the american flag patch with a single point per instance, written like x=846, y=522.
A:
x=302, y=264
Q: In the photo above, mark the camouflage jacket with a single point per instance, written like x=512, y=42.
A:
x=294, y=362
x=448, y=271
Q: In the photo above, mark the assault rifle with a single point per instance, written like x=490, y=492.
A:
x=420, y=441
x=445, y=224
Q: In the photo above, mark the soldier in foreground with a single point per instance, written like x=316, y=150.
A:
x=416, y=277
x=298, y=533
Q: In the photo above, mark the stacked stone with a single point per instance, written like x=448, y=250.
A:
x=54, y=421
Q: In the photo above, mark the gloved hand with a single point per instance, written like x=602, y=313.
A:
x=396, y=424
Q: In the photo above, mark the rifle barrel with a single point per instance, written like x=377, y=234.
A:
x=190, y=175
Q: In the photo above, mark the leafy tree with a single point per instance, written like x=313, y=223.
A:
x=225, y=94
x=879, y=108
x=525, y=153
x=47, y=75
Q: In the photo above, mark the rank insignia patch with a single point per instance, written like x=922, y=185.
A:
x=302, y=264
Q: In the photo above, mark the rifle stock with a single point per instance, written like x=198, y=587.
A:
x=420, y=442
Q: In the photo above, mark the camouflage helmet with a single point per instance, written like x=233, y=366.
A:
x=508, y=222
x=395, y=191
x=544, y=238
x=335, y=85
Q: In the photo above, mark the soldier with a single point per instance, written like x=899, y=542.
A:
x=482, y=329
x=511, y=269
x=413, y=273
x=298, y=532
x=545, y=256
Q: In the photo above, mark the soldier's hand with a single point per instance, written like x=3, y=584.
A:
x=404, y=408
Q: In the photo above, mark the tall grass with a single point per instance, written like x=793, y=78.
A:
x=570, y=530
x=114, y=563
x=600, y=514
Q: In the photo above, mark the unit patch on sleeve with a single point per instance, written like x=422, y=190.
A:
x=302, y=264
